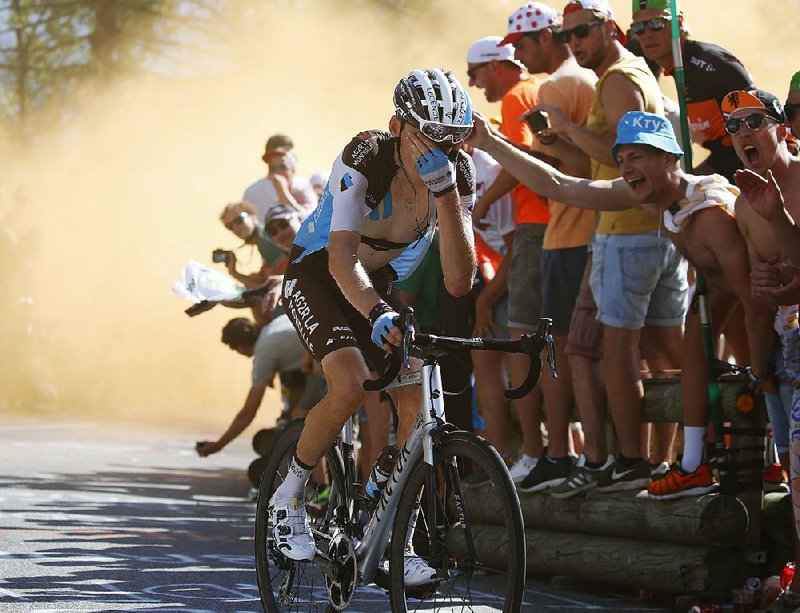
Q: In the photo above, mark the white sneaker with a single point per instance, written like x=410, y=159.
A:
x=291, y=528
x=520, y=469
x=416, y=571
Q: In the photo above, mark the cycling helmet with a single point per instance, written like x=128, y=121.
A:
x=436, y=103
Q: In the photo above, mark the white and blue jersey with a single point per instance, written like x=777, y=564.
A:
x=358, y=198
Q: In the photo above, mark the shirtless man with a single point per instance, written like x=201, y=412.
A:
x=386, y=195
x=765, y=211
x=697, y=213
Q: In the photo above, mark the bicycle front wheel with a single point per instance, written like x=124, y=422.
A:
x=283, y=584
x=474, y=539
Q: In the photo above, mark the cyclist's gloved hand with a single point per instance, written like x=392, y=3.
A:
x=382, y=317
x=437, y=171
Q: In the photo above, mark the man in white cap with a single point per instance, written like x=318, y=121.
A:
x=532, y=31
x=637, y=275
x=492, y=68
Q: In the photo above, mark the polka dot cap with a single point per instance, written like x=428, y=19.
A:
x=531, y=17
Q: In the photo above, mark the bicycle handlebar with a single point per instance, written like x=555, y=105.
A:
x=529, y=344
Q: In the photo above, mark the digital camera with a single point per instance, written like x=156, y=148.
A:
x=537, y=121
x=219, y=256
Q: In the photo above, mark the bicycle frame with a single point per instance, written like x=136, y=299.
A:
x=431, y=415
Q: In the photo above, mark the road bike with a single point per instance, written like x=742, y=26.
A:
x=426, y=506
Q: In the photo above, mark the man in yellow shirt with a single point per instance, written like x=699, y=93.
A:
x=637, y=274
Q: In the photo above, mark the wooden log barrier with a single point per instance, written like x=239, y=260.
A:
x=660, y=567
x=662, y=398
x=712, y=520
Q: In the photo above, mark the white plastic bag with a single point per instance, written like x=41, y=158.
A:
x=198, y=282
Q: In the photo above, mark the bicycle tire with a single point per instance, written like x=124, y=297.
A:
x=465, y=582
x=308, y=588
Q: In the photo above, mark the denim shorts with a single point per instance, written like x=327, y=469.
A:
x=779, y=406
x=638, y=278
x=525, y=277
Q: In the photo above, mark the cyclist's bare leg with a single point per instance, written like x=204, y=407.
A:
x=345, y=372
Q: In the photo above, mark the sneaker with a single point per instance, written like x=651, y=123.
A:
x=520, y=469
x=678, y=483
x=581, y=478
x=775, y=479
x=292, y=529
x=475, y=480
x=416, y=571
x=547, y=473
x=657, y=471
x=635, y=476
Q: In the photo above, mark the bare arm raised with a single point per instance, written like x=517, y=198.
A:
x=547, y=181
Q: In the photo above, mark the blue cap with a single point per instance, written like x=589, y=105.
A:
x=639, y=128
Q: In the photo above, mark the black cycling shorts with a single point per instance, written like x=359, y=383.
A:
x=324, y=319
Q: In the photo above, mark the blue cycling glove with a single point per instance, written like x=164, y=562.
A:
x=382, y=317
x=437, y=171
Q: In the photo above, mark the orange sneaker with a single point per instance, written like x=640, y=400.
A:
x=775, y=479
x=677, y=483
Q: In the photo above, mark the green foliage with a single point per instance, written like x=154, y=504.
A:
x=47, y=47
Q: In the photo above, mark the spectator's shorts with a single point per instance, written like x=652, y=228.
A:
x=324, y=319
x=562, y=272
x=638, y=278
x=525, y=277
x=585, y=332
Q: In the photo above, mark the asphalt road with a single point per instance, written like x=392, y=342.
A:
x=103, y=518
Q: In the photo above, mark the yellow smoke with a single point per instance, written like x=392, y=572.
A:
x=122, y=195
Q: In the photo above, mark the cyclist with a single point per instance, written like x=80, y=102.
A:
x=386, y=194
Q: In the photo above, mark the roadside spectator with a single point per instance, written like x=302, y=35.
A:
x=765, y=212
x=697, y=214
x=275, y=348
x=493, y=249
x=281, y=225
x=240, y=218
x=493, y=69
x=282, y=185
x=637, y=275
x=532, y=31
x=710, y=72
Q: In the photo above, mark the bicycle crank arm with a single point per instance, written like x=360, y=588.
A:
x=326, y=565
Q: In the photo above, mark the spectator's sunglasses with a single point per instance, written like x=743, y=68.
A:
x=581, y=31
x=654, y=25
x=791, y=108
x=237, y=220
x=273, y=227
x=471, y=72
x=754, y=121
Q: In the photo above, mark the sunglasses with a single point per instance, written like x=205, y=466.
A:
x=791, y=108
x=236, y=220
x=754, y=121
x=438, y=132
x=471, y=72
x=276, y=226
x=654, y=25
x=581, y=31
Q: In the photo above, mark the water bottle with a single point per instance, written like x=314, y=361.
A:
x=381, y=471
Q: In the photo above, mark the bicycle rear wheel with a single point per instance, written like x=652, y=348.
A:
x=283, y=584
x=474, y=541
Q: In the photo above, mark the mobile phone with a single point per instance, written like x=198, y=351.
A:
x=537, y=121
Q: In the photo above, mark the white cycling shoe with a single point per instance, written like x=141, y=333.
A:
x=415, y=571
x=292, y=529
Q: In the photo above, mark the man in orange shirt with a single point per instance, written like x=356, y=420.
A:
x=492, y=68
